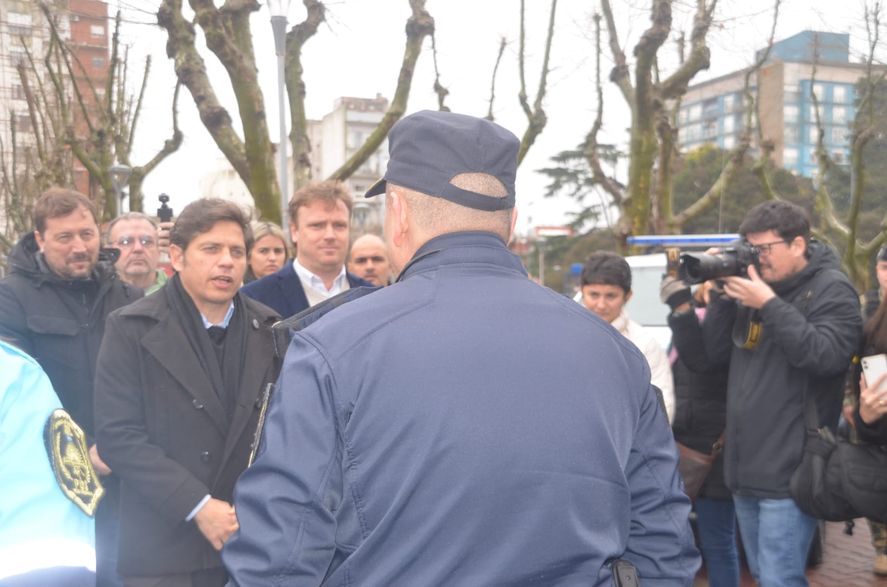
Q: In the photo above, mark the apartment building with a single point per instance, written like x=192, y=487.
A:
x=712, y=112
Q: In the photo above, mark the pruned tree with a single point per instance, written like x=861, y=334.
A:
x=228, y=37
x=99, y=127
x=868, y=124
x=646, y=203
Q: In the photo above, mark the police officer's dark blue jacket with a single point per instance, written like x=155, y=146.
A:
x=464, y=426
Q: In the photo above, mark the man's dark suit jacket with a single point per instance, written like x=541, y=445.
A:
x=283, y=292
x=165, y=432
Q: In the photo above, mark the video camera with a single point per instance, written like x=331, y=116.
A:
x=733, y=260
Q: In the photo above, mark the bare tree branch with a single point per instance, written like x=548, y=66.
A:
x=502, y=43
x=419, y=25
x=439, y=89
x=536, y=117
x=590, y=148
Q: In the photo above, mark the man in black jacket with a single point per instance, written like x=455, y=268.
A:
x=53, y=306
x=789, y=331
x=179, y=383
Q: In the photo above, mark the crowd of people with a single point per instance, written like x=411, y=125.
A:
x=464, y=426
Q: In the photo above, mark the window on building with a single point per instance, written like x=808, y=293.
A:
x=839, y=115
x=790, y=113
x=682, y=116
x=813, y=113
x=710, y=129
x=695, y=111
x=839, y=94
x=356, y=139
x=819, y=91
x=23, y=123
x=789, y=156
x=694, y=131
x=98, y=62
x=18, y=92
x=729, y=124
x=97, y=30
x=729, y=102
x=790, y=134
x=19, y=18
x=812, y=135
x=729, y=142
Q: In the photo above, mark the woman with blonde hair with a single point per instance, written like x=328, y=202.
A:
x=269, y=251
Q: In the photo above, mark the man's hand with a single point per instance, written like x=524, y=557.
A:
x=676, y=294
x=752, y=292
x=872, y=403
x=163, y=230
x=97, y=463
x=216, y=521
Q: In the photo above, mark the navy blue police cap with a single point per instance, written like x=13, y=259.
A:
x=428, y=149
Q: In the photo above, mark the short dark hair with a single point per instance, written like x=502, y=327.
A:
x=57, y=202
x=329, y=191
x=201, y=215
x=784, y=218
x=606, y=268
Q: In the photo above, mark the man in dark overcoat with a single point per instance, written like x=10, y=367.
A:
x=179, y=384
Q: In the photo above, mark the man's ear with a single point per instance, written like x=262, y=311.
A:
x=399, y=217
x=513, y=224
x=294, y=231
x=39, y=238
x=176, y=257
x=800, y=246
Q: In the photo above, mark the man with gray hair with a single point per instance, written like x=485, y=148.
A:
x=448, y=431
x=135, y=235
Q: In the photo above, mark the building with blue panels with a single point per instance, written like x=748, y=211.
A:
x=713, y=112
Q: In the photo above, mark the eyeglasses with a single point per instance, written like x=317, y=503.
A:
x=128, y=241
x=765, y=248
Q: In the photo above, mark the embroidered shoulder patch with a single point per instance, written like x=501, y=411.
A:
x=69, y=457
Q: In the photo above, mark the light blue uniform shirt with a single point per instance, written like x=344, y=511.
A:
x=40, y=527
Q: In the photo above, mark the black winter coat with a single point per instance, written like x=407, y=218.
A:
x=164, y=431
x=700, y=398
x=810, y=331
x=60, y=322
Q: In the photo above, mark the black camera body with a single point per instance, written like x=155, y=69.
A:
x=732, y=261
x=164, y=212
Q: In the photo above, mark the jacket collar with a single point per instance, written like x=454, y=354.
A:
x=166, y=341
x=457, y=248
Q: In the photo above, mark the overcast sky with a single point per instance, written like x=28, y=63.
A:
x=358, y=53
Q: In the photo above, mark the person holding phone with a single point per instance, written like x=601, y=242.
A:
x=871, y=302
x=869, y=419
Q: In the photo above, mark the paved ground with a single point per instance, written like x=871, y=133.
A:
x=847, y=561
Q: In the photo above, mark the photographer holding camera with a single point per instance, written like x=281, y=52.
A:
x=789, y=330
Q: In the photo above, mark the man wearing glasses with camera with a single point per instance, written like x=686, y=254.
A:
x=789, y=329
x=135, y=235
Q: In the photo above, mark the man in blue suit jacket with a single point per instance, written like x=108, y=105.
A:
x=320, y=216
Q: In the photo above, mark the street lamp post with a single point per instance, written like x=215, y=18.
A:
x=119, y=176
x=279, y=10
